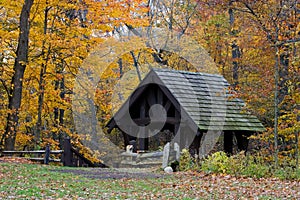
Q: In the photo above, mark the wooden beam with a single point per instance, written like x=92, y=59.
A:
x=179, y=132
x=143, y=109
x=160, y=96
x=170, y=96
x=143, y=140
x=146, y=120
x=167, y=105
x=151, y=98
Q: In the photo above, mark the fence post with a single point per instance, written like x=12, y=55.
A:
x=47, y=155
x=68, y=155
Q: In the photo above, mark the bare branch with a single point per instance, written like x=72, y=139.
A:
x=287, y=42
x=263, y=26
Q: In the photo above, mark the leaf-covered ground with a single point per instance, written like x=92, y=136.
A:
x=32, y=181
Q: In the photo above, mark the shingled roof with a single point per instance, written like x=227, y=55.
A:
x=207, y=100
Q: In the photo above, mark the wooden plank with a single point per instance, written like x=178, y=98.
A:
x=159, y=97
x=33, y=152
x=144, y=121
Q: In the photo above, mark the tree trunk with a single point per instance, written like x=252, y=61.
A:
x=17, y=80
x=235, y=51
x=60, y=113
x=283, y=75
x=42, y=82
x=235, y=69
x=297, y=146
x=276, y=77
x=136, y=65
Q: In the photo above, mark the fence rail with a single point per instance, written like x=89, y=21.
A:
x=46, y=159
x=69, y=156
x=33, y=152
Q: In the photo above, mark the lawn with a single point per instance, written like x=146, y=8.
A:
x=33, y=181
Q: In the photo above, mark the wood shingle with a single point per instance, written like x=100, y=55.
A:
x=208, y=100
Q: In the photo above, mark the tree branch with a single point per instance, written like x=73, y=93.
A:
x=5, y=86
x=263, y=26
x=280, y=43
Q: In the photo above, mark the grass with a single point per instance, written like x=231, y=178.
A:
x=28, y=181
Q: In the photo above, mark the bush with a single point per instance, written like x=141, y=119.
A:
x=255, y=170
x=238, y=165
x=217, y=162
x=286, y=173
x=187, y=162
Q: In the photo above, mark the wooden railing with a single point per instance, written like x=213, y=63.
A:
x=38, y=153
x=69, y=156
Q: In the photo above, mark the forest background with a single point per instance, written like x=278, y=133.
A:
x=254, y=43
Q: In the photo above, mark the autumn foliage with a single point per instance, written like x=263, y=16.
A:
x=251, y=42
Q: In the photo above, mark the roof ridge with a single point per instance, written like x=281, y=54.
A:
x=185, y=72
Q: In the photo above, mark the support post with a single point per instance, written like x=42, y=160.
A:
x=143, y=140
x=68, y=155
x=47, y=155
x=195, y=146
x=228, y=142
x=126, y=139
x=178, y=132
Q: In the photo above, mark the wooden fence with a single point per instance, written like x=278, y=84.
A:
x=69, y=156
x=46, y=159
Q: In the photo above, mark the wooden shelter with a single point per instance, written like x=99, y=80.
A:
x=188, y=104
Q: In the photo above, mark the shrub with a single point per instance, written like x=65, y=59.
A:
x=286, y=172
x=255, y=170
x=187, y=162
x=238, y=165
x=217, y=162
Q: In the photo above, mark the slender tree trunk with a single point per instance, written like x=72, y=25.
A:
x=235, y=69
x=283, y=71
x=17, y=80
x=121, y=98
x=276, y=77
x=59, y=112
x=42, y=83
x=136, y=65
x=297, y=146
x=235, y=51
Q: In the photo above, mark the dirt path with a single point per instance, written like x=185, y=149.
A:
x=105, y=173
x=97, y=173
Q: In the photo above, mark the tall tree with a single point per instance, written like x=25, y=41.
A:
x=278, y=20
x=21, y=60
